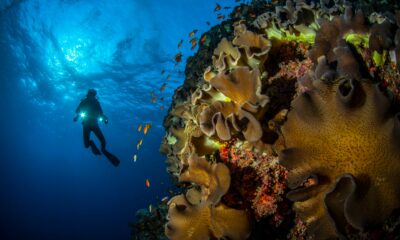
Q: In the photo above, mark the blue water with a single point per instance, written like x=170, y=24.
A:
x=51, y=52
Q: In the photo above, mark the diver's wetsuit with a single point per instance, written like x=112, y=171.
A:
x=92, y=109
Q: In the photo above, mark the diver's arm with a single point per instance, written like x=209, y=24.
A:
x=77, y=111
x=105, y=118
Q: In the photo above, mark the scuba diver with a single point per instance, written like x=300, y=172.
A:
x=90, y=112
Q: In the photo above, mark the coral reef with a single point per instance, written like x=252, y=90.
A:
x=291, y=106
x=199, y=214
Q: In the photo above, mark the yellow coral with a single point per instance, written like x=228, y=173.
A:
x=214, y=179
x=198, y=222
x=342, y=136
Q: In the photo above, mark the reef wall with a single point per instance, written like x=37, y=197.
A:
x=288, y=125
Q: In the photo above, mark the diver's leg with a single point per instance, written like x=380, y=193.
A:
x=100, y=136
x=88, y=142
x=86, y=136
x=113, y=159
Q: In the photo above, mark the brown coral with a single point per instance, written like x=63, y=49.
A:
x=198, y=222
x=342, y=154
x=214, y=179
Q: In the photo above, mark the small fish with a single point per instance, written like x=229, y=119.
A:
x=161, y=99
x=162, y=87
x=139, y=144
x=147, y=183
x=180, y=43
x=162, y=72
x=178, y=57
x=193, y=40
x=146, y=128
x=221, y=17
x=252, y=15
x=237, y=1
x=238, y=9
x=164, y=199
x=203, y=39
x=193, y=46
x=154, y=99
x=168, y=77
x=208, y=23
x=139, y=127
x=134, y=158
x=162, y=108
x=193, y=32
x=217, y=7
x=150, y=208
x=226, y=8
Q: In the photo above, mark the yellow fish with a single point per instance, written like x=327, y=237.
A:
x=193, y=41
x=134, y=158
x=139, y=127
x=139, y=144
x=192, y=32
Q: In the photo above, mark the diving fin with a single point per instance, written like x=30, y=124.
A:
x=113, y=159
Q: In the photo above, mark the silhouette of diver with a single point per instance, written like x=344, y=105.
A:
x=90, y=112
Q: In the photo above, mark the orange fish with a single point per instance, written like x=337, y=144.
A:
x=154, y=99
x=252, y=15
x=139, y=127
x=146, y=128
x=163, y=87
x=238, y=9
x=178, y=57
x=147, y=183
x=217, y=7
x=203, y=39
x=193, y=32
x=221, y=17
x=193, y=46
x=180, y=43
x=193, y=41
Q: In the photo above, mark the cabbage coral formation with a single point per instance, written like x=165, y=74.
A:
x=338, y=143
x=199, y=215
x=341, y=137
x=228, y=105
